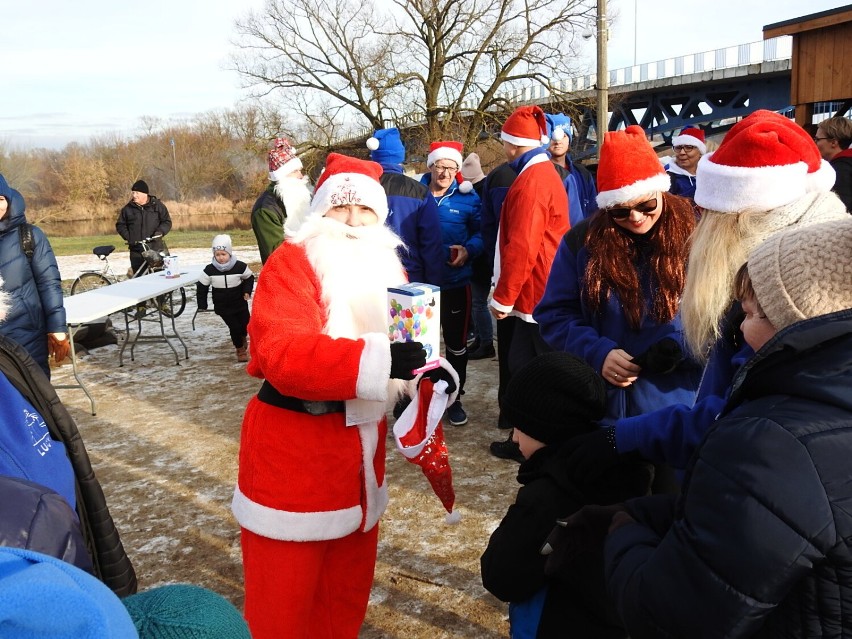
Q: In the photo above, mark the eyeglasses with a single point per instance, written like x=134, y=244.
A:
x=445, y=169
x=623, y=212
x=816, y=139
x=685, y=148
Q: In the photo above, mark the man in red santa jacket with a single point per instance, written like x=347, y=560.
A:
x=311, y=485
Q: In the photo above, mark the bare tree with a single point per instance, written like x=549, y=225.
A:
x=440, y=64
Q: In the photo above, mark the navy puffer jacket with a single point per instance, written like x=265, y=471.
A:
x=760, y=543
x=36, y=307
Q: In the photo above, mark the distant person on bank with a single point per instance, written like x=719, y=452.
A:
x=285, y=199
x=142, y=217
x=36, y=316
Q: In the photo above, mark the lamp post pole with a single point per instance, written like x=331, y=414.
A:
x=603, y=75
x=174, y=163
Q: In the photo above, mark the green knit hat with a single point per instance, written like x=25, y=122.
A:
x=183, y=611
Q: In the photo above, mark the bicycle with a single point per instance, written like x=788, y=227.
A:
x=95, y=279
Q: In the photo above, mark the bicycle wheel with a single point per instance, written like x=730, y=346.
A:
x=178, y=303
x=89, y=282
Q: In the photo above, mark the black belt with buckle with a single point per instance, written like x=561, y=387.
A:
x=268, y=395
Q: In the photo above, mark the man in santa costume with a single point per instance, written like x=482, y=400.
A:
x=311, y=484
x=533, y=219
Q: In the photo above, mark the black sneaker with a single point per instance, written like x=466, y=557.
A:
x=506, y=449
x=486, y=351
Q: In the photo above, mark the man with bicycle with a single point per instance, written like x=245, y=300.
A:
x=144, y=216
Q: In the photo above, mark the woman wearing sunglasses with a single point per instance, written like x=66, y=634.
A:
x=614, y=289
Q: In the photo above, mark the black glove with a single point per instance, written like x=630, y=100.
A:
x=587, y=456
x=577, y=535
x=405, y=357
x=441, y=373
x=662, y=357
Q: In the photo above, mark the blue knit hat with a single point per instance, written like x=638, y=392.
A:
x=5, y=189
x=183, y=611
x=44, y=597
x=557, y=122
x=386, y=147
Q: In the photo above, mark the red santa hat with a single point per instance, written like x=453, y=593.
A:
x=449, y=150
x=348, y=180
x=282, y=159
x=764, y=162
x=628, y=168
x=420, y=438
x=527, y=126
x=691, y=136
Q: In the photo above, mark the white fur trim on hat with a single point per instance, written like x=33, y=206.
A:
x=350, y=188
x=511, y=139
x=689, y=140
x=822, y=180
x=659, y=182
x=285, y=169
x=737, y=189
x=444, y=153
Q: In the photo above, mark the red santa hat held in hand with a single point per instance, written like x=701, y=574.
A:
x=527, y=126
x=348, y=180
x=449, y=150
x=420, y=438
x=764, y=162
x=628, y=168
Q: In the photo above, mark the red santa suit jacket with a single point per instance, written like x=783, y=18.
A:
x=533, y=219
x=300, y=475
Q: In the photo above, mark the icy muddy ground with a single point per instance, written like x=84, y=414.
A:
x=164, y=445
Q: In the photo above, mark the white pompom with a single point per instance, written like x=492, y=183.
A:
x=466, y=187
x=372, y=143
x=558, y=133
x=545, y=139
x=453, y=517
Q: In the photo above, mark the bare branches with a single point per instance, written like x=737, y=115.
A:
x=429, y=59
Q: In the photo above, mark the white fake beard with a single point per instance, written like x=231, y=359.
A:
x=296, y=196
x=355, y=266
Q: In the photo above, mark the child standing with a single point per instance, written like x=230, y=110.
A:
x=551, y=399
x=232, y=283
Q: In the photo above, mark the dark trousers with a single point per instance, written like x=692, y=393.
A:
x=136, y=260
x=517, y=343
x=238, y=326
x=455, y=320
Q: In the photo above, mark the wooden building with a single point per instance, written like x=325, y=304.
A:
x=822, y=60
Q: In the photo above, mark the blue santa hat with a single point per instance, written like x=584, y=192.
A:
x=386, y=147
x=558, y=126
x=44, y=597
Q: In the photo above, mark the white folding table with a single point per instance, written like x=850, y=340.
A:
x=125, y=296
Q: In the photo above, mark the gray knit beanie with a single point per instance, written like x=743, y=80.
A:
x=804, y=272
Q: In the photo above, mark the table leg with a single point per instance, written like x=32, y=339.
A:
x=75, y=373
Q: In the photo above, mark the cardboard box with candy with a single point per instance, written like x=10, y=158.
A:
x=414, y=315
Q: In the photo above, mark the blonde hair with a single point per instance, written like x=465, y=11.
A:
x=720, y=246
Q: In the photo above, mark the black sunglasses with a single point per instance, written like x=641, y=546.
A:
x=623, y=212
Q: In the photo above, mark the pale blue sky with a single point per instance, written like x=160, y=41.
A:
x=76, y=69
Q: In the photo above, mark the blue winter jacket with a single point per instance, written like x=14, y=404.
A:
x=36, y=306
x=460, y=224
x=672, y=434
x=568, y=324
x=413, y=215
x=682, y=182
x=759, y=545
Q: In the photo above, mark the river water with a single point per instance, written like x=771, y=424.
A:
x=106, y=226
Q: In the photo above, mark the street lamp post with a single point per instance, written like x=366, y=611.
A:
x=603, y=75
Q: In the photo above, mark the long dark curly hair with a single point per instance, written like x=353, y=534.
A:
x=613, y=257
